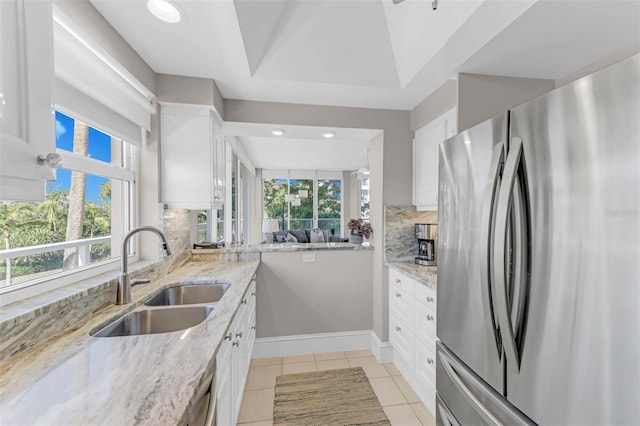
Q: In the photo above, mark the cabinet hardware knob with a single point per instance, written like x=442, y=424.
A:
x=253, y=294
x=398, y=281
x=429, y=318
x=228, y=336
x=244, y=301
x=398, y=295
x=239, y=335
x=429, y=299
x=253, y=327
x=398, y=328
x=217, y=197
x=429, y=361
x=236, y=344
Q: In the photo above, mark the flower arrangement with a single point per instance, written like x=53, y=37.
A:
x=360, y=227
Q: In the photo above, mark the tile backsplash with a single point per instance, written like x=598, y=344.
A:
x=400, y=243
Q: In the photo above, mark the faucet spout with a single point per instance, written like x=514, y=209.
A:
x=123, y=293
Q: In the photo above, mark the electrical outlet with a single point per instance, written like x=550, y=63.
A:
x=308, y=257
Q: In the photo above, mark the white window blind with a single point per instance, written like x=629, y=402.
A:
x=90, y=84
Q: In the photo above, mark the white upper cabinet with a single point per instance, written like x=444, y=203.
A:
x=425, y=159
x=27, y=123
x=191, y=157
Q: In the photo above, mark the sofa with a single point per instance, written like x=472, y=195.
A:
x=303, y=236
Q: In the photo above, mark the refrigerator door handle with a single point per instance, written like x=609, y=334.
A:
x=447, y=417
x=478, y=407
x=503, y=217
x=487, y=243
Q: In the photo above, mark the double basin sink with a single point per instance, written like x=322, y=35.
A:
x=171, y=311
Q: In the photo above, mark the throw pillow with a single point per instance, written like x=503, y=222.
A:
x=300, y=235
x=280, y=239
x=291, y=238
x=317, y=236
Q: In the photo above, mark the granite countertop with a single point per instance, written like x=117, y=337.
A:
x=257, y=248
x=426, y=275
x=76, y=379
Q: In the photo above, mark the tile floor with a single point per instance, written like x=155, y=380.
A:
x=399, y=401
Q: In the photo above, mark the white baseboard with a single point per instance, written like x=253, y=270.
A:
x=266, y=347
x=382, y=351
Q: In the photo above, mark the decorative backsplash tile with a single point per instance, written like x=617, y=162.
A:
x=400, y=243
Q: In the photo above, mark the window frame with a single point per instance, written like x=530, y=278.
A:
x=128, y=217
x=315, y=176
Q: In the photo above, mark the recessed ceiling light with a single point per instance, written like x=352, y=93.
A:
x=164, y=10
x=328, y=134
x=277, y=132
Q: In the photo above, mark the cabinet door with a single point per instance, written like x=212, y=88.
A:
x=225, y=410
x=425, y=159
x=186, y=157
x=27, y=127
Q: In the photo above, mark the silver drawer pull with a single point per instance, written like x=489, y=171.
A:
x=398, y=281
x=228, y=336
x=244, y=301
x=429, y=299
x=429, y=318
x=429, y=360
x=236, y=344
x=398, y=328
x=239, y=335
x=398, y=295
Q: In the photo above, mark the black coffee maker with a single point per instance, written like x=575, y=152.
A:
x=427, y=235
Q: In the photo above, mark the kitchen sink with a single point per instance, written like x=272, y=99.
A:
x=189, y=294
x=152, y=321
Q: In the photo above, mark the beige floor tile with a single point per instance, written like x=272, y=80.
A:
x=263, y=423
x=330, y=355
x=392, y=369
x=257, y=406
x=263, y=377
x=357, y=354
x=401, y=415
x=332, y=364
x=298, y=358
x=424, y=415
x=387, y=391
x=406, y=390
x=266, y=361
x=370, y=365
x=299, y=367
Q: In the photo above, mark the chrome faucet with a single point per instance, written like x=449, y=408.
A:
x=123, y=293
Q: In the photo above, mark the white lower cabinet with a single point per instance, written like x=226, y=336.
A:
x=412, y=334
x=234, y=357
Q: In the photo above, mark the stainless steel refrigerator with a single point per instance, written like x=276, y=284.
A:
x=539, y=260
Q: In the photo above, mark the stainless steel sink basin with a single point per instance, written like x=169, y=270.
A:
x=189, y=294
x=152, y=321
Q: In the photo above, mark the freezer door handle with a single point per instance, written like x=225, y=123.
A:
x=448, y=366
x=511, y=243
x=487, y=243
x=447, y=417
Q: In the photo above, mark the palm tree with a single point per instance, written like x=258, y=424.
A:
x=51, y=207
x=14, y=217
x=75, y=219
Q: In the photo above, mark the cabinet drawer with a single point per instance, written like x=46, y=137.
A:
x=402, y=282
x=426, y=363
x=402, y=340
x=402, y=307
x=425, y=323
x=426, y=296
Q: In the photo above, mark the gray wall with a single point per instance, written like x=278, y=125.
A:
x=332, y=294
x=442, y=100
x=395, y=124
x=189, y=90
x=483, y=96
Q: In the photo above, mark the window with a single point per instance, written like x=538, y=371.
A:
x=302, y=200
x=85, y=210
x=364, y=199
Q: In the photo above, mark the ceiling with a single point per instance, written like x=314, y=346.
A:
x=370, y=53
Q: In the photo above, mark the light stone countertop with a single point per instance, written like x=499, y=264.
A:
x=257, y=248
x=76, y=379
x=426, y=275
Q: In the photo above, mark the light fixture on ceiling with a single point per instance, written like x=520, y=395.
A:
x=328, y=133
x=277, y=132
x=164, y=10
